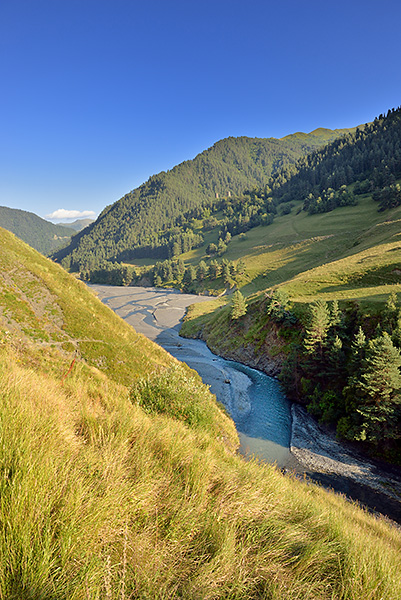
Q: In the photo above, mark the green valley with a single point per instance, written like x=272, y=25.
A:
x=120, y=477
x=147, y=222
x=322, y=231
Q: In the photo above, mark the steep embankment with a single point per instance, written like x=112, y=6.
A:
x=118, y=477
x=253, y=340
x=261, y=343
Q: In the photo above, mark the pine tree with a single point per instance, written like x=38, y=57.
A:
x=318, y=327
x=358, y=348
x=214, y=269
x=240, y=267
x=336, y=356
x=201, y=271
x=390, y=313
x=238, y=308
x=335, y=314
x=374, y=408
x=189, y=277
x=381, y=375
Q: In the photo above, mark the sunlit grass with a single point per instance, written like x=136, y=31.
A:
x=121, y=481
x=98, y=497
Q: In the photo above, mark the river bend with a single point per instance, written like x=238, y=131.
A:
x=254, y=400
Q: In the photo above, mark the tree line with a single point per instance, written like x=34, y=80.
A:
x=171, y=272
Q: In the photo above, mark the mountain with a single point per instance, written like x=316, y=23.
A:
x=323, y=284
x=38, y=233
x=77, y=225
x=119, y=476
x=320, y=242
x=144, y=222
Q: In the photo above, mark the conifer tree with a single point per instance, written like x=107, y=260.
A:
x=189, y=277
x=214, y=269
x=381, y=375
x=225, y=271
x=358, y=347
x=374, y=394
x=201, y=271
x=317, y=328
x=336, y=355
x=240, y=267
x=335, y=314
x=396, y=337
x=238, y=308
x=390, y=313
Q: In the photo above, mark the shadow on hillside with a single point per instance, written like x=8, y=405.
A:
x=356, y=294
x=366, y=496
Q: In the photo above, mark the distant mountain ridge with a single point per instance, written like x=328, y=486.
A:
x=35, y=231
x=229, y=167
x=77, y=225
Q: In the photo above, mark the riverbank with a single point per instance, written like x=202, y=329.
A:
x=339, y=466
x=255, y=401
x=313, y=452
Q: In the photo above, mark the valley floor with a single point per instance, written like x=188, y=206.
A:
x=315, y=453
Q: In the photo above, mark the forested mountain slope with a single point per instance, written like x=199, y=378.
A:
x=136, y=223
x=119, y=477
x=326, y=273
x=370, y=157
x=279, y=231
x=38, y=233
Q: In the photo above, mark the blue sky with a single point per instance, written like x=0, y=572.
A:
x=97, y=95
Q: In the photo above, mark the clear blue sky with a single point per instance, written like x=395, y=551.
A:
x=97, y=95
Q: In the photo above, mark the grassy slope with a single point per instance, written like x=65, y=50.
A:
x=230, y=165
x=348, y=253
x=40, y=301
x=352, y=254
x=100, y=498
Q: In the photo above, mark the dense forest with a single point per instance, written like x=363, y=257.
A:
x=38, y=233
x=369, y=157
x=157, y=220
x=154, y=219
x=345, y=366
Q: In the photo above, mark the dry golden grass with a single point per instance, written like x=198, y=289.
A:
x=99, y=499
x=122, y=482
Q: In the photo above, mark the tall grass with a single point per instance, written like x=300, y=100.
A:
x=100, y=499
x=122, y=481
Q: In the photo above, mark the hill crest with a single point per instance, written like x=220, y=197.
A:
x=136, y=221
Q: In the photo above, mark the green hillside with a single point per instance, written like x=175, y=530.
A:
x=296, y=249
x=134, y=225
x=38, y=233
x=119, y=477
x=295, y=272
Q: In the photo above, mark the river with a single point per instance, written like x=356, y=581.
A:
x=269, y=427
x=260, y=410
